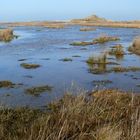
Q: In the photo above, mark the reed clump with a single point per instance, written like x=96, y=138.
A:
x=104, y=39
x=135, y=48
x=117, y=51
x=6, y=35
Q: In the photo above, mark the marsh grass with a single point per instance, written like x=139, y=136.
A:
x=125, y=69
x=134, y=50
x=29, y=66
x=104, y=39
x=36, y=91
x=83, y=43
x=100, y=40
x=135, y=47
x=66, y=60
x=6, y=35
x=117, y=51
x=76, y=56
x=98, y=65
x=104, y=115
x=6, y=84
x=97, y=60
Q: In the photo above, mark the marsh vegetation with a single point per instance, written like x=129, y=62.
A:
x=6, y=84
x=29, y=66
x=101, y=40
x=66, y=60
x=135, y=48
x=6, y=35
x=36, y=91
x=93, y=114
x=108, y=114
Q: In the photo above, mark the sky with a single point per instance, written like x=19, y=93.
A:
x=40, y=10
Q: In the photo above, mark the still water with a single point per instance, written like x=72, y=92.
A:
x=46, y=47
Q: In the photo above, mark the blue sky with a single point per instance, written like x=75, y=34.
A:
x=32, y=10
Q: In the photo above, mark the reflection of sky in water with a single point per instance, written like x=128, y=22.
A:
x=38, y=44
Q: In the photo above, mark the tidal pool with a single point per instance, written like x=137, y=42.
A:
x=46, y=47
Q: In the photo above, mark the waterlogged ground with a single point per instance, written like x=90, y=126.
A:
x=47, y=47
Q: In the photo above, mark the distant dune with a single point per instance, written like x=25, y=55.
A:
x=97, y=21
x=88, y=21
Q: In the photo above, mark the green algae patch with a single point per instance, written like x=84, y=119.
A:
x=29, y=66
x=36, y=91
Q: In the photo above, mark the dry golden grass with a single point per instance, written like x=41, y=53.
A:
x=114, y=24
x=6, y=35
x=104, y=115
x=135, y=48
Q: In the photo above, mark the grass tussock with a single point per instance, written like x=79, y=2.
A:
x=98, y=65
x=76, y=56
x=36, y=91
x=83, y=43
x=105, y=115
x=135, y=48
x=66, y=60
x=117, y=51
x=6, y=84
x=102, y=59
x=104, y=39
x=100, y=40
x=97, y=60
x=6, y=35
x=29, y=66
